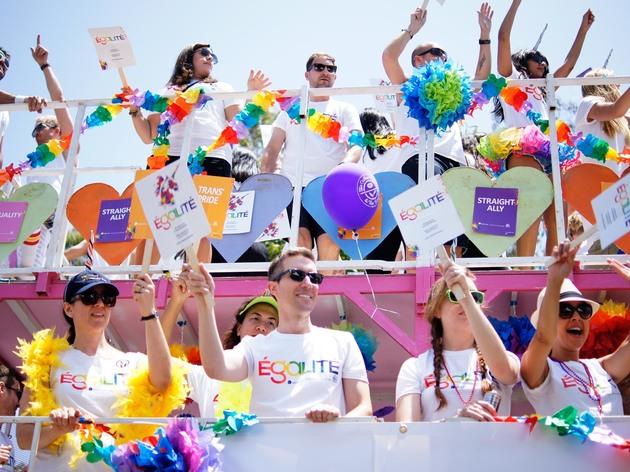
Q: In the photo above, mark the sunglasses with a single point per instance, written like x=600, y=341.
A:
x=207, y=52
x=38, y=128
x=298, y=275
x=91, y=297
x=477, y=296
x=585, y=310
x=320, y=68
x=18, y=392
x=437, y=52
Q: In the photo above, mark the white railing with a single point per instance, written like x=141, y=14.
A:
x=55, y=251
x=362, y=444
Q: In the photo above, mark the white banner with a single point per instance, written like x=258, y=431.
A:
x=239, y=215
x=172, y=208
x=112, y=47
x=278, y=229
x=612, y=211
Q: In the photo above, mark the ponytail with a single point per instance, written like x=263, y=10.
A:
x=71, y=330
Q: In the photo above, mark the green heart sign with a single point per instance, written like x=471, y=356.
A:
x=535, y=193
x=42, y=202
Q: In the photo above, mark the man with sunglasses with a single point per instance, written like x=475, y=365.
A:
x=10, y=394
x=320, y=155
x=553, y=373
x=34, y=103
x=298, y=370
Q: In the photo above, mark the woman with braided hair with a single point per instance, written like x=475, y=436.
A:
x=466, y=359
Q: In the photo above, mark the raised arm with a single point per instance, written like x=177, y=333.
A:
x=157, y=347
x=534, y=368
x=229, y=365
x=617, y=364
x=574, y=53
x=391, y=54
x=484, y=63
x=40, y=56
x=270, y=158
x=179, y=294
x=257, y=80
x=504, y=55
x=603, y=111
x=503, y=367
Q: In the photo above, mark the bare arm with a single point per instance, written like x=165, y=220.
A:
x=270, y=161
x=574, y=53
x=484, y=63
x=504, y=55
x=146, y=128
x=357, y=396
x=353, y=155
x=179, y=294
x=393, y=51
x=617, y=364
x=610, y=111
x=157, y=348
x=534, y=367
x=503, y=367
x=34, y=103
x=229, y=365
x=408, y=408
x=40, y=56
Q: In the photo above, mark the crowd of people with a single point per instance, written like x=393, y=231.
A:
x=467, y=372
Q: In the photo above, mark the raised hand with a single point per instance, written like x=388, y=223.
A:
x=144, y=294
x=587, y=20
x=417, y=19
x=40, y=53
x=257, y=80
x=564, y=257
x=485, y=15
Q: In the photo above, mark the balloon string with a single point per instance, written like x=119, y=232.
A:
x=355, y=236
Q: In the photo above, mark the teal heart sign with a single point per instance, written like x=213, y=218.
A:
x=391, y=184
x=535, y=194
x=42, y=202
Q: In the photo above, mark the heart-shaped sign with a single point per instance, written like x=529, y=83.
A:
x=582, y=183
x=83, y=210
x=535, y=193
x=42, y=202
x=273, y=193
x=391, y=184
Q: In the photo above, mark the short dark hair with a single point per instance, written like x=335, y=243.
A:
x=314, y=56
x=520, y=58
x=375, y=123
x=9, y=376
x=276, y=265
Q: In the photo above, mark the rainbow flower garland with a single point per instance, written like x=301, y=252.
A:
x=438, y=94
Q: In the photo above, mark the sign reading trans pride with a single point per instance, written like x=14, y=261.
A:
x=426, y=215
x=172, y=208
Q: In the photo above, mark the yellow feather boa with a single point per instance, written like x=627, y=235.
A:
x=41, y=355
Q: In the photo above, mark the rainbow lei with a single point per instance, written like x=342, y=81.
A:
x=43, y=354
x=438, y=94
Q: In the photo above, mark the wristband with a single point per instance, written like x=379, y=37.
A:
x=408, y=32
x=152, y=316
x=43, y=66
x=484, y=41
x=20, y=99
x=134, y=113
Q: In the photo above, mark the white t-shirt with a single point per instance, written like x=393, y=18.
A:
x=55, y=180
x=390, y=161
x=203, y=389
x=4, y=123
x=91, y=384
x=291, y=373
x=416, y=377
x=320, y=155
x=561, y=389
x=446, y=143
x=6, y=441
x=518, y=119
x=209, y=122
x=595, y=128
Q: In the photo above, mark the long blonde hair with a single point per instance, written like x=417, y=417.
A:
x=610, y=93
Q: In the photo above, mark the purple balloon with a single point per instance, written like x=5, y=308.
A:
x=350, y=194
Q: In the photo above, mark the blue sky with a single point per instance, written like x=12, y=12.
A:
x=276, y=36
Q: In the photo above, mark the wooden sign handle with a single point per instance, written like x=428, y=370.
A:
x=444, y=259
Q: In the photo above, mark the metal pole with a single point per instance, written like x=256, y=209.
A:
x=297, y=185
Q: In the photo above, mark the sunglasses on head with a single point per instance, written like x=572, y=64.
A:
x=38, y=128
x=207, y=52
x=91, y=297
x=437, y=52
x=320, y=68
x=298, y=275
x=477, y=296
x=585, y=310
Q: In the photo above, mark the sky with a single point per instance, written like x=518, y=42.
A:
x=275, y=36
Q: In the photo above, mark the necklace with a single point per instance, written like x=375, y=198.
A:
x=588, y=384
x=472, y=391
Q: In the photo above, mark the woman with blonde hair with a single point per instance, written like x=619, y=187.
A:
x=602, y=113
x=465, y=362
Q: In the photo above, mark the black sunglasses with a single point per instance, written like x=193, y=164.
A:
x=298, y=275
x=91, y=297
x=38, y=128
x=585, y=310
x=437, y=52
x=477, y=296
x=207, y=52
x=320, y=68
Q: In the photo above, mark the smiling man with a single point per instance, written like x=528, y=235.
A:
x=320, y=154
x=297, y=370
